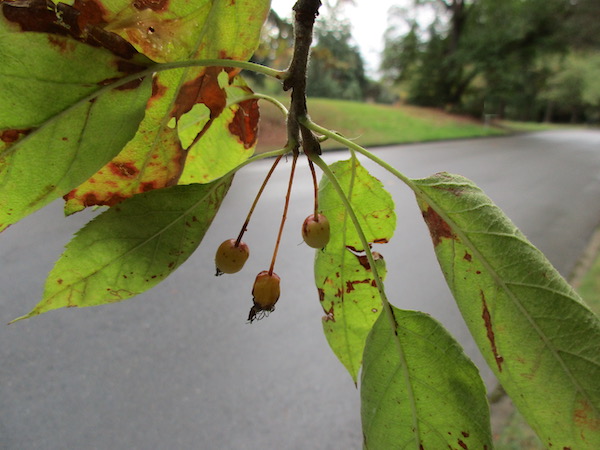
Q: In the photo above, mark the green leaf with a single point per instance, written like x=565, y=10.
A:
x=132, y=246
x=418, y=389
x=54, y=134
x=536, y=334
x=343, y=276
x=177, y=30
x=156, y=156
x=203, y=143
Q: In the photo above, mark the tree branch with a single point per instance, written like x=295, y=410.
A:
x=306, y=11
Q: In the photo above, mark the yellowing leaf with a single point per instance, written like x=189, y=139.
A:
x=156, y=31
x=60, y=120
x=152, y=159
x=224, y=142
x=155, y=157
x=343, y=276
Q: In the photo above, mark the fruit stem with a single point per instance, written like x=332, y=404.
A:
x=316, y=188
x=285, y=209
x=260, y=191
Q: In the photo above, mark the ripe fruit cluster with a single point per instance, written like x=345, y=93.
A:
x=232, y=254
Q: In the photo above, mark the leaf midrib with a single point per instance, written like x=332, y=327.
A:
x=140, y=244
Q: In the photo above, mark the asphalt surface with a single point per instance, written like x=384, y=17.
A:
x=178, y=367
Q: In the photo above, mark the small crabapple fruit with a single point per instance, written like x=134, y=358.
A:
x=230, y=258
x=315, y=232
x=265, y=293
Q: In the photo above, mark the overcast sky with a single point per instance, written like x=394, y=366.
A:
x=369, y=22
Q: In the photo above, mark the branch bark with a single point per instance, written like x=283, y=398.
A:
x=306, y=11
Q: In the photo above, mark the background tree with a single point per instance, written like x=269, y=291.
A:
x=429, y=55
x=336, y=68
x=573, y=90
x=275, y=47
x=483, y=56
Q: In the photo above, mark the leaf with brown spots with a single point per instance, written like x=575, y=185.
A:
x=177, y=30
x=56, y=105
x=83, y=21
x=533, y=329
x=132, y=247
x=154, y=157
x=418, y=388
x=223, y=142
x=344, y=279
x=188, y=117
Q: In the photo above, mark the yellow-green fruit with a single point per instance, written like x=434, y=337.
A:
x=230, y=258
x=316, y=232
x=265, y=291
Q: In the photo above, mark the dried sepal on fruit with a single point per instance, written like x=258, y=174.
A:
x=231, y=256
x=265, y=293
x=315, y=232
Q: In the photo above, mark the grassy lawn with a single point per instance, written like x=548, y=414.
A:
x=372, y=124
x=533, y=126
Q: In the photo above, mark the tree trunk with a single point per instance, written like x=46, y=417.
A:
x=549, y=111
x=502, y=109
x=457, y=82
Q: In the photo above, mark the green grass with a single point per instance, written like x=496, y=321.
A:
x=383, y=124
x=372, y=124
x=531, y=126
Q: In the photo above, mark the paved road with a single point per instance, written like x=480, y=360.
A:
x=178, y=368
